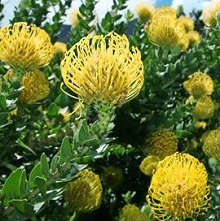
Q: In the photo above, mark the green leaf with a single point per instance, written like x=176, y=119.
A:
x=83, y=133
x=44, y=165
x=23, y=184
x=41, y=183
x=3, y=118
x=3, y=102
x=35, y=172
x=23, y=206
x=26, y=147
x=15, y=186
x=55, y=162
x=53, y=109
x=65, y=149
x=94, y=142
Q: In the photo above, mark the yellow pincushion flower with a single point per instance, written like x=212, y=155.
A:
x=25, y=47
x=209, y=13
x=103, y=69
x=144, y=11
x=211, y=146
x=178, y=188
x=36, y=87
x=132, y=213
x=60, y=48
x=149, y=164
x=165, y=31
x=165, y=11
x=199, y=84
x=161, y=143
x=204, y=108
x=84, y=194
x=187, y=22
x=194, y=37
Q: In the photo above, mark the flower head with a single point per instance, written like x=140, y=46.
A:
x=165, y=11
x=25, y=47
x=131, y=212
x=199, y=84
x=211, y=145
x=36, y=87
x=84, y=194
x=103, y=69
x=161, y=143
x=178, y=188
x=59, y=48
x=204, y=108
x=194, y=37
x=144, y=11
x=187, y=22
x=209, y=13
x=164, y=29
x=149, y=164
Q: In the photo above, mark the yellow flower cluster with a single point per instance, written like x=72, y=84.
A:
x=168, y=31
x=144, y=11
x=131, y=212
x=84, y=193
x=60, y=48
x=200, y=86
x=103, y=69
x=25, y=47
x=211, y=145
x=204, y=108
x=161, y=143
x=178, y=188
x=149, y=164
x=209, y=13
x=36, y=87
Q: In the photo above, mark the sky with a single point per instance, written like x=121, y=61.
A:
x=105, y=5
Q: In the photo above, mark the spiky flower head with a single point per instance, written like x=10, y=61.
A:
x=59, y=48
x=24, y=46
x=84, y=193
x=144, y=11
x=131, y=212
x=178, y=188
x=149, y=164
x=211, y=145
x=161, y=143
x=194, y=37
x=103, y=69
x=209, y=13
x=35, y=87
x=204, y=108
x=187, y=22
x=164, y=29
x=165, y=11
x=199, y=84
